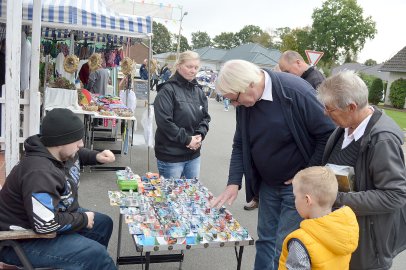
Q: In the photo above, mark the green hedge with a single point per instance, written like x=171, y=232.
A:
x=375, y=91
x=397, y=93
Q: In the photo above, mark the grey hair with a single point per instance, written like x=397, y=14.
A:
x=236, y=75
x=185, y=56
x=291, y=56
x=342, y=89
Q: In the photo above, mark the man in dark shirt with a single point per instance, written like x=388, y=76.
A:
x=144, y=70
x=281, y=129
x=41, y=193
x=293, y=62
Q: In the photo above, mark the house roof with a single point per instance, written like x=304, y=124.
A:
x=254, y=53
x=211, y=54
x=369, y=70
x=251, y=52
x=397, y=63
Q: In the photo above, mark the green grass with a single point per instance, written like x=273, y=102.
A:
x=398, y=116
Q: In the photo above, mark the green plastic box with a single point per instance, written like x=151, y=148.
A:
x=127, y=185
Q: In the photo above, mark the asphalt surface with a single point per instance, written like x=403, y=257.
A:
x=216, y=151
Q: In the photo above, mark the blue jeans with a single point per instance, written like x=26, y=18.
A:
x=277, y=217
x=188, y=169
x=226, y=102
x=84, y=250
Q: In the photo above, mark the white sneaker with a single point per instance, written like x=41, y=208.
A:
x=226, y=110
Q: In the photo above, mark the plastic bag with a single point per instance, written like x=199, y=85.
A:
x=147, y=123
x=131, y=102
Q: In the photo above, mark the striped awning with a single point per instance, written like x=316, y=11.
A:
x=84, y=15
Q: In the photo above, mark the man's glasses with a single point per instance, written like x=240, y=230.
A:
x=236, y=99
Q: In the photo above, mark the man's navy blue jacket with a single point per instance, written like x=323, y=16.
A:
x=305, y=118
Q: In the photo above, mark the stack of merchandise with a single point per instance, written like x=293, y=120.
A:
x=168, y=212
x=108, y=106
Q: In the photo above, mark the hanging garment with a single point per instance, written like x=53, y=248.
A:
x=129, y=99
x=60, y=70
x=25, y=64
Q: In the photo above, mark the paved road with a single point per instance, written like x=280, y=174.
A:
x=215, y=158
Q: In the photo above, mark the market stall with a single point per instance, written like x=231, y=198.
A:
x=83, y=16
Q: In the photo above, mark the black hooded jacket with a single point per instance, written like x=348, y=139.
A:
x=41, y=193
x=313, y=76
x=181, y=111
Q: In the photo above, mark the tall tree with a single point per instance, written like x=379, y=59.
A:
x=340, y=30
x=299, y=39
x=224, y=41
x=200, y=40
x=370, y=62
x=248, y=34
x=278, y=35
x=264, y=39
x=161, y=39
x=184, y=44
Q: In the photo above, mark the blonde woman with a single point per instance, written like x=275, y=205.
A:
x=182, y=119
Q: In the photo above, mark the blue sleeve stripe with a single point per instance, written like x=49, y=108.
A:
x=45, y=199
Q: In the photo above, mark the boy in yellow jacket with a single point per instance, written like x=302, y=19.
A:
x=325, y=239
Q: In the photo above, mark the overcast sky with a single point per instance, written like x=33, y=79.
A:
x=216, y=16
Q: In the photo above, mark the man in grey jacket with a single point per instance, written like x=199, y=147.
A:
x=370, y=142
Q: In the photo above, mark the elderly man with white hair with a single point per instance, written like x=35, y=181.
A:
x=280, y=130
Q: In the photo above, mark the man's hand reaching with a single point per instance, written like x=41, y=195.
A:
x=228, y=196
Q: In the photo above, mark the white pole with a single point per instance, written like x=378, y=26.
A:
x=180, y=31
x=149, y=95
x=35, y=105
x=13, y=59
x=72, y=43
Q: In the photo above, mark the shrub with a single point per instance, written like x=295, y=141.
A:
x=368, y=79
x=397, y=93
x=375, y=91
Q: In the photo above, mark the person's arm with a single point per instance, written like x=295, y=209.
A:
x=203, y=126
x=387, y=174
x=298, y=258
x=236, y=169
x=163, y=108
x=91, y=157
x=319, y=127
x=41, y=191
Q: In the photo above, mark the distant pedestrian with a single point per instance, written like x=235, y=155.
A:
x=144, y=70
x=226, y=102
x=154, y=73
x=165, y=73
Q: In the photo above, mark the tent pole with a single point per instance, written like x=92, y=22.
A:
x=12, y=95
x=35, y=96
x=149, y=90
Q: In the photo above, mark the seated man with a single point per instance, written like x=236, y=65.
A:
x=41, y=193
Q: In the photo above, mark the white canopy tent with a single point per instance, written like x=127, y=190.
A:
x=82, y=15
